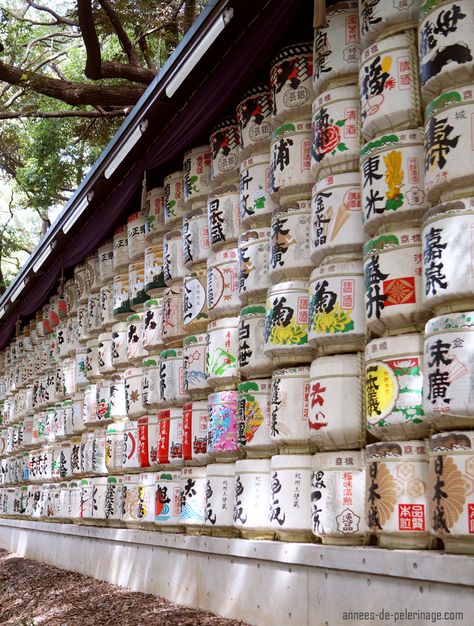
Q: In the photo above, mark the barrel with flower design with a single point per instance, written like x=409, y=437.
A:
x=397, y=494
x=336, y=47
x=393, y=281
x=335, y=135
x=222, y=435
x=389, y=85
x=392, y=174
x=447, y=277
x=336, y=320
x=254, y=120
x=286, y=323
x=393, y=388
x=290, y=81
x=222, y=352
x=451, y=496
x=254, y=418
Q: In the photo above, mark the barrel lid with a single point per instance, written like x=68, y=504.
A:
x=341, y=460
x=399, y=40
x=253, y=309
x=99, y=480
x=153, y=302
x=85, y=482
x=131, y=425
x=113, y=480
x=255, y=234
x=337, y=365
x=397, y=346
x=131, y=479
x=133, y=372
x=133, y=318
x=291, y=461
x=255, y=90
x=171, y=353
x=255, y=159
x=197, y=211
x=393, y=239
x=226, y=255
x=448, y=209
x=150, y=361
x=250, y=386
x=449, y=98
x=342, y=6
x=177, y=233
x=295, y=206
x=391, y=141
x=105, y=337
x=452, y=442
x=225, y=189
x=219, y=397
x=177, y=174
x=290, y=128
x=287, y=52
x=450, y=321
x=194, y=340
x=147, y=478
x=292, y=372
x=147, y=419
x=395, y=450
x=225, y=123
x=120, y=327
x=168, y=475
x=252, y=466
x=196, y=405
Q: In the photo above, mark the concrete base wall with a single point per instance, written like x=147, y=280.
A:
x=263, y=583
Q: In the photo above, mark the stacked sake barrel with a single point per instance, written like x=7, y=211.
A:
x=336, y=320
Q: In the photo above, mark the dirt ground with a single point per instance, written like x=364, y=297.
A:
x=33, y=593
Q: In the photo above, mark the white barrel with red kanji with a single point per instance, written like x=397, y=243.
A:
x=148, y=435
x=397, y=494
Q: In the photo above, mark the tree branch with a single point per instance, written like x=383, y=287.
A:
x=60, y=19
x=10, y=115
x=120, y=31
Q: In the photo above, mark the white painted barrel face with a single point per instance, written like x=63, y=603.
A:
x=254, y=119
x=379, y=18
x=389, y=85
x=154, y=269
x=120, y=243
x=195, y=364
x=155, y=215
x=338, y=498
x=193, y=496
x=290, y=242
x=397, y=493
x=224, y=144
x=174, y=199
x=223, y=211
x=448, y=370
x=335, y=407
x=254, y=252
x=256, y=204
x=223, y=284
x=252, y=495
x=253, y=362
x=150, y=384
x=451, y=498
x=195, y=428
x=136, y=235
x=336, y=47
x=195, y=313
x=220, y=495
x=133, y=392
x=136, y=281
x=290, y=82
x=152, y=326
x=135, y=350
x=289, y=428
x=172, y=327
x=196, y=175
x=196, y=240
x=394, y=388
x=173, y=259
x=168, y=498
x=172, y=389
x=222, y=353
x=290, y=486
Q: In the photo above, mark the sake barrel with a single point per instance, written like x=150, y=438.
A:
x=393, y=388
x=336, y=222
x=286, y=323
x=253, y=418
x=99, y=489
x=290, y=500
x=335, y=407
x=136, y=281
x=193, y=498
x=450, y=497
x=290, y=81
x=146, y=499
x=173, y=261
x=114, y=442
x=383, y=17
x=120, y=243
x=133, y=392
x=393, y=281
x=152, y=325
x=335, y=136
x=447, y=277
x=135, y=350
x=195, y=365
x=121, y=297
x=289, y=428
x=154, y=272
x=98, y=452
x=196, y=243
x=389, y=85
x=172, y=327
x=393, y=179
x=111, y=402
x=222, y=283
x=290, y=236
x=82, y=292
x=82, y=328
x=170, y=440
x=252, y=360
x=130, y=493
x=76, y=448
x=93, y=280
x=397, y=495
x=87, y=441
x=174, y=199
x=106, y=304
x=290, y=161
x=92, y=360
x=172, y=391
x=113, y=499
x=148, y=434
x=446, y=45
x=336, y=319
x=220, y=497
x=195, y=314
x=151, y=384
x=338, y=498
x=448, y=370
x=94, y=322
x=256, y=204
x=130, y=446
x=222, y=425
x=252, y=499
x=136, y=235
x=195, y=422
x=254, y=120
x=196, y=175
x=336, y=47
x=104, y=353
x=223, y=211
x=74, y=500
x=222, y=352
x=224, y=143
x=119, y=345
x=80, y=371
x=106, y=264
x=71, y=295
x=155, y=214
x=168, y=500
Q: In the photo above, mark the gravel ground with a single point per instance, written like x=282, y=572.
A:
x=33, y=593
